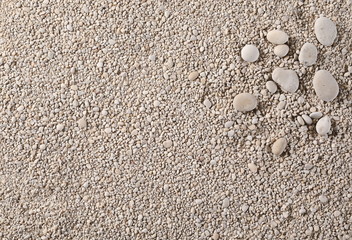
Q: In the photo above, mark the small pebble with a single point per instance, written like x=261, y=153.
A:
x=281, y=50
x=279, y=146
x=82, y=123
x=277, y=37
x=323, y=199
x=225, y=202
x=250, y=53
x=325, y=31
x=193, y=76
x=325, y=86
x=308, y=54
x=287, y=79
x=307, y=119
x=281, y=105
x=228, y=124
x=271, y=86
x=244, y=207
x=152, y=58
x=323, y=126
x=207, y=103
x=167, y=143
x=316, y=115
x=60, y=127
x=300, y=120
x=252, y=167
x=245, y=102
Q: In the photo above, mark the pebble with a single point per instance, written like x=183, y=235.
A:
x=225, y=203
x=287, y=79
x=207, y=103
x=323, y=126
x=60, y=127
x=244, y=207
x=167, y=143
x=152, y=58
x=316, y=115
x=279, y=146
x=308, y=54
x=271, y=86
x=245, y=102
x=252, y=167
x=82, y=123
x=277, y=37
x=300, y=120
x=281, y=105
x=228, y=124
x=250, y=53
x=325, y=31
x=215, y=236
x=325, y=86
x=323, y=199
x=281, y=50
x=193, y=76
x=307, y=119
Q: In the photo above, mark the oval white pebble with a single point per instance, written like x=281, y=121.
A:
x=308, y=54
x=287, y=79
x=271, y=86
x=250, y=53
x=279, y=146
x=323, y=126
x=193, y=76
x=228, y=124
x=60, y=127
x=300, y=120
x=245, y=102
x=82, y=123
x=316, y=115
x=167, y=143
x=325, y=31
x=281, y=50
x=325, y=86
x=225, y=202
x=307, y=119
x=277, y=37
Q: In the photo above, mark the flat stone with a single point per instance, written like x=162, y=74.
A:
x=323, y=126
x=308, y=54
x=281, y=50
x=245, y=102
x=279, y=146
x=287, y=79
x=271, y=86
x=167, y=143
x=325, y=86
x=316, y=115
x=277, y=37
x=193, y=76
x=252, y=167
x=325, y=30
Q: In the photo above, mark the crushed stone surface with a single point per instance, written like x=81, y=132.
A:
x=117, y=121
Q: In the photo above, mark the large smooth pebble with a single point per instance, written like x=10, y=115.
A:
x=325, y=86
x=325, y=31
x=281, y=50
x=277, y=37
x=308, y=54
x=287, y=79
x=245, y=102
x=279, y=146
x=250, y=53
x=323, y=126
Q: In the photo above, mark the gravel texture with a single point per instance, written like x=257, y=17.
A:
x=117, y=121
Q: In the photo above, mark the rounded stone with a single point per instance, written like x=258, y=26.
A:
x=193, y=76
x=271, y=86
x=323, y=126
x=167, y=143
x=277, y=37
x=250, y=53
x=325, y=30
x=245, y=102
x=325, y=86
x=252, y=167
x=307, y=119
x=279, y=146
x=225, y=203
x=316, y=115
x=308, y=54
x=287, y=79
x=281, y=50
x=82, y=123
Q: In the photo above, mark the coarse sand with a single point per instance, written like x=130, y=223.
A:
x=117, y=120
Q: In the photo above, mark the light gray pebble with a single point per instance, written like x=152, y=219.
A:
x=300, y=120
x=325, y=30
x=281, y=50
x=271, y=86
x=225, y=203
x=308, y=54
x=323, y=126
x=316, y=115
x=207, y=103
x=307, y=119
x=277, y=37
x=228, y=124
x=323, y=199
x=281, y=105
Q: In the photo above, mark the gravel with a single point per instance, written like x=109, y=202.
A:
x=151, y=161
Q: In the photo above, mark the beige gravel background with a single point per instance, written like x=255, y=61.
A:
x=153, y=162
